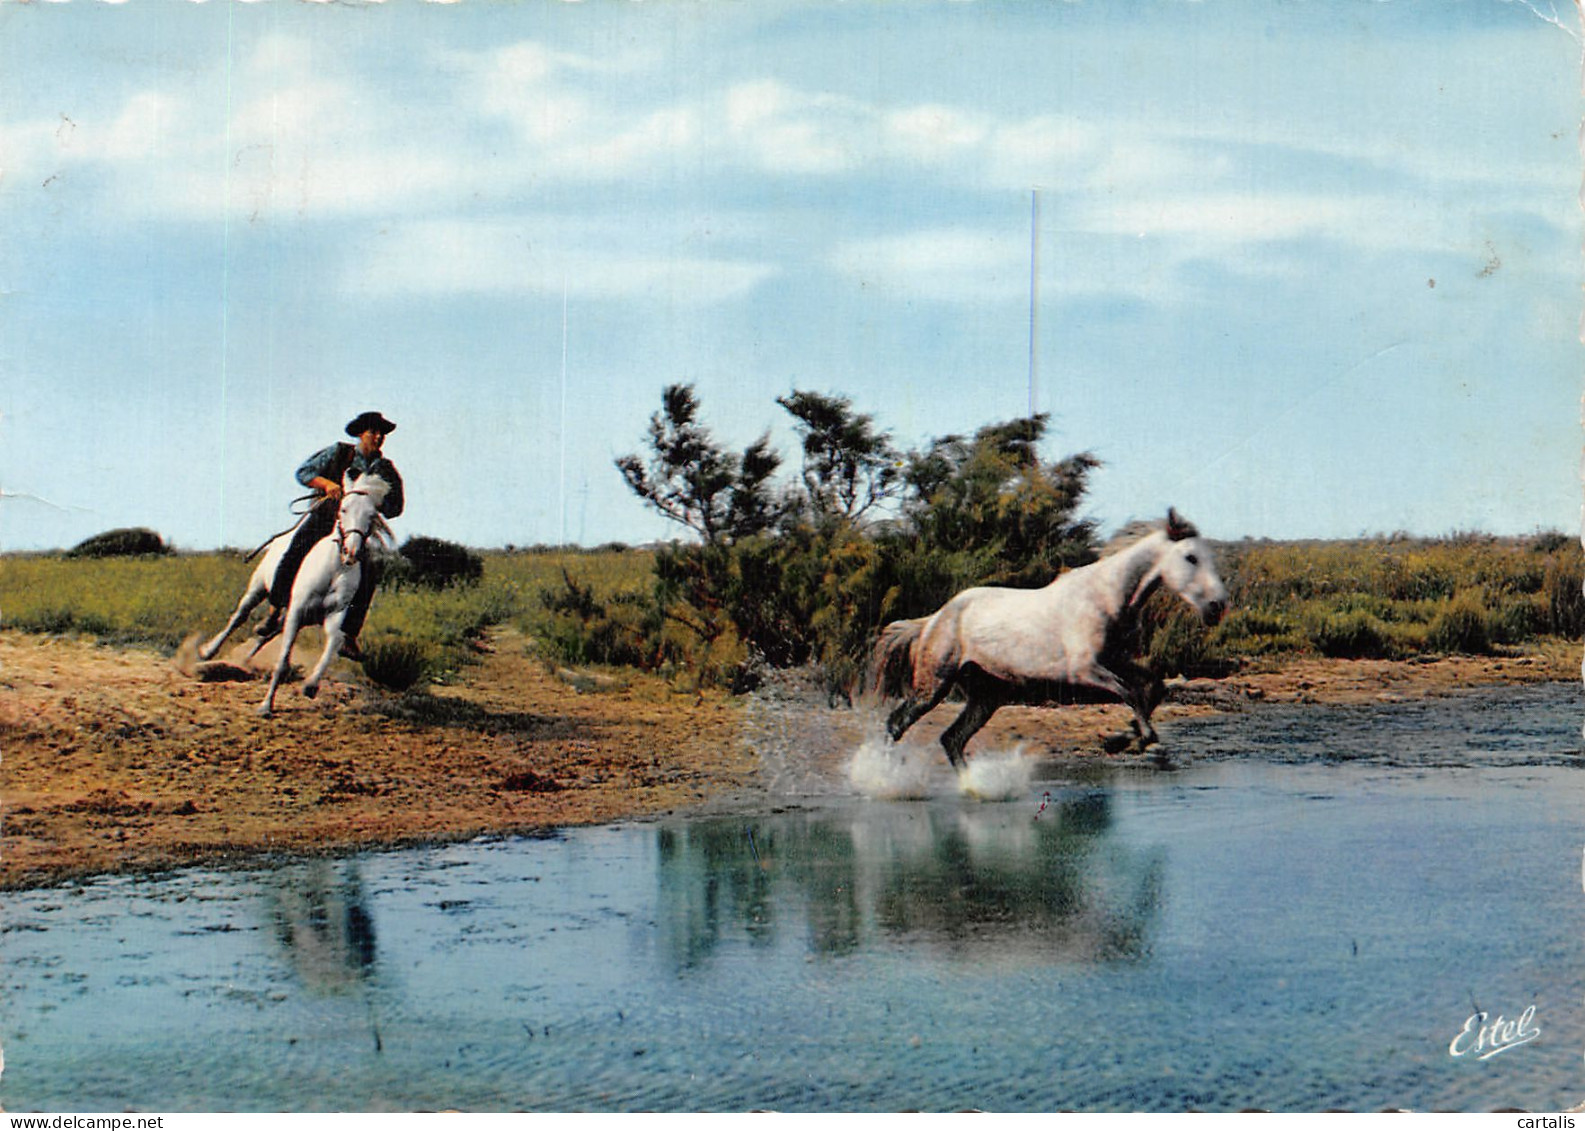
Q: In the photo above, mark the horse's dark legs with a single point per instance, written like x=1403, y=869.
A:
x=1137, y=688
x=911, y=710
x=1145, y=696
x=975, y=714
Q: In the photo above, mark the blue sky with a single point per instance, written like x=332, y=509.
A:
x=1305, y=269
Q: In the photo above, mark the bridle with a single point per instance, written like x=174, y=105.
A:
x=342, y=533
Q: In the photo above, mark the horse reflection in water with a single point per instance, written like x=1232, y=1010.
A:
x=978, y=882
x=320, y=918
x=1070, y=642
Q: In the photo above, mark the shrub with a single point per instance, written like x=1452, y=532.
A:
x=1353, y=636
x=48, y=619
x=1518, y=618
x=1565, y=600
x=1178, y=645
x=397, y=663
x=1551, y=541
x=583, y=629
x=1251, y=632
x=435, y=563
x=1412, y=579
x=1461, y=627
x=126, y=542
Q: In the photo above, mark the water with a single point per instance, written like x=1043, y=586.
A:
x=1301, y=918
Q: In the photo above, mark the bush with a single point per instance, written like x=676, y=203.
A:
x=1177, y=646
x=126, y=542
x=1352, y=636
x=51, y=620
x=397, y=663
x=1518, y=618
x=1461, y=627
x=1565, y=600
x=1551, y=542
x=583, y=629
x=1251, y=632
x=435, y=563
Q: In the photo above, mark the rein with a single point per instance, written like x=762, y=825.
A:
x=377, y=526
x=310, y=498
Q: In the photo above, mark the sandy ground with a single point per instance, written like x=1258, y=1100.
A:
x=121, y=759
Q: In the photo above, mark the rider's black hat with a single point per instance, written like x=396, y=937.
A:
x=369, y=422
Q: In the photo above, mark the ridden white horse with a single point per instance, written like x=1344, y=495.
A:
x=324, y=587
x=1069, y=642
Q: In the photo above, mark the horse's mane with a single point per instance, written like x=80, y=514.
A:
x=1137, y=531
x=375, y=484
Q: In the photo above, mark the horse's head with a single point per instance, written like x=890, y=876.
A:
x=359, y=516
x=1188, y=567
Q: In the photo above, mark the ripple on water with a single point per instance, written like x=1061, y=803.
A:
x=1283, y=930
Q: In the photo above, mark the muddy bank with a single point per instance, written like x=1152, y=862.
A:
x=119, y=760
x=125, y=760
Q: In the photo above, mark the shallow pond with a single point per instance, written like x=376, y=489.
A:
x=1301, y=917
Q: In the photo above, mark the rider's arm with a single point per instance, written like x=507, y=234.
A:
x=317, y=469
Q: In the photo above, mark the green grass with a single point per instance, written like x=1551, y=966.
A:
x=1399, y=597
x=1389, y=598
x=162, y=601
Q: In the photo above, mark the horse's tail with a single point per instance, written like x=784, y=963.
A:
x=891, y=669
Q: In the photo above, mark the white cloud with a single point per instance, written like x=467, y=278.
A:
x=454, y=257
x=313, y=133
x=959, y=265
x=657, y=138
x=936, y=133
x=783, y=130
x=1044, y=150
x=1373, y=222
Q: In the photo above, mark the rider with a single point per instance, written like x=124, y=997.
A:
x=323, y=471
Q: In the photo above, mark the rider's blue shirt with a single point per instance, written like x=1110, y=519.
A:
x=333, y=462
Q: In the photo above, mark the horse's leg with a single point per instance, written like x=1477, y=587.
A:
x=975, y=714
x=1146, y=691
x=334, y=635
x=914, y=708
x=294, y=623
x=1135, y=693
x=250, y=601
x=259, y=642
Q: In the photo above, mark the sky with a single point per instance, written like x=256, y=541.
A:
x=1299, y=269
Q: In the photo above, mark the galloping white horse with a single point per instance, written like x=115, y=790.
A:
x=325, y=584
x=1069, y=642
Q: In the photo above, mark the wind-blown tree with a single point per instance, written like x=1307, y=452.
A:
x=803, y=578
x=848, y=466
x=995, y=510
x=727, y=498
x=692, y=480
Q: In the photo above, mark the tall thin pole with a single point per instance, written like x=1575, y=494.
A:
x=561, y=528
x=1034, y=292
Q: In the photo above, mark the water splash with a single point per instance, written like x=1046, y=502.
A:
x=884, y=771
x=997, y=775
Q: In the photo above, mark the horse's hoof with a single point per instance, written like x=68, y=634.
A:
x=310, y=690
x=1116, y=743
x=264, y=712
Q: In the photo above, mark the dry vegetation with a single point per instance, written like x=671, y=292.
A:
x=118, y=755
